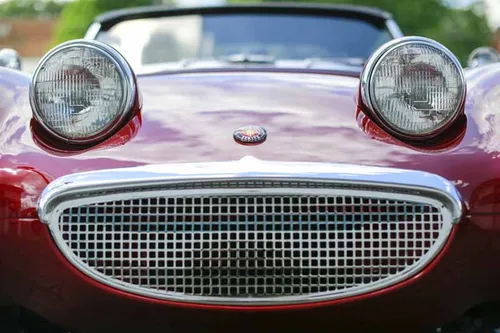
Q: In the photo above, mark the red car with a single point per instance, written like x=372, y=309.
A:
x=250, y=169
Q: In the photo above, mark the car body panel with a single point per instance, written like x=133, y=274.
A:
x=192, y=117
x=309, y=117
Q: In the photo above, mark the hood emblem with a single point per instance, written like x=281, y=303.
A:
x=250, y=135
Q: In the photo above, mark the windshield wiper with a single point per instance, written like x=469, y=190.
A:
x=265, y=59
x=248, y=58
x=237, y=58
x=311, y=62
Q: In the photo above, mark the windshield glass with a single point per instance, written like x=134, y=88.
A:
x=175, y=38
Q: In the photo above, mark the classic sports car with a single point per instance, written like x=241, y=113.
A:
x=250, y=168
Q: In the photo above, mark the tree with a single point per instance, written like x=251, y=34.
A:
x=461, y=30
x=78, y=15
x=30, y=8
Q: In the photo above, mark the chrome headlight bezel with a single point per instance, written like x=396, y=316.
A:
x=127, y=78
x=367, y=86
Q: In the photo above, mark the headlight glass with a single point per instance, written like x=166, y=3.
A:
x=79, y=91
x=417, y=87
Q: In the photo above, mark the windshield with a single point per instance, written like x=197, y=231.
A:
x=294, y=37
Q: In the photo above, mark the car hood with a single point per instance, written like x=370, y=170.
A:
x=309, y=117
x=192, y=117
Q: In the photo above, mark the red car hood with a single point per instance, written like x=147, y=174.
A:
x=192, y=117
x=308, y=117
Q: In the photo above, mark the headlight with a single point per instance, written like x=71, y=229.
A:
x=414, y=85
x=82, y=90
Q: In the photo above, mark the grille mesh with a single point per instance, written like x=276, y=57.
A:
x=250, y=245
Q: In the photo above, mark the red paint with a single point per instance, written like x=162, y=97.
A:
x=48, y=284
x=308, y=117
x=448, y=140
x=190, y=117
x=19, y=192
x=121, y=137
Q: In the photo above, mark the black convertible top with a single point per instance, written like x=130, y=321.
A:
x=367, y=13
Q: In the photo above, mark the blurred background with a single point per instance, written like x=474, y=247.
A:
x=32, y=27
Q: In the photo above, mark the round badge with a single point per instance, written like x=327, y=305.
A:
x=250, y=135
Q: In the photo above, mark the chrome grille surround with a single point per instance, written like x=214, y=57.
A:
x=341, y=235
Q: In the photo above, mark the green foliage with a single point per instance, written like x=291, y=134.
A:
x=78, y=15
x=461, y=30
x=30, y=8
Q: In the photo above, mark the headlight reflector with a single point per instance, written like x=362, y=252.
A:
x=81, y=90
x=414, y=85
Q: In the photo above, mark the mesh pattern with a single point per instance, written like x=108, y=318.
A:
x=250, y=246
x=417, y=88
x=79, y=92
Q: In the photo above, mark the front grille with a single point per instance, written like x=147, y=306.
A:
x=253, y=240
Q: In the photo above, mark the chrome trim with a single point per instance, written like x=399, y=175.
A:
x=372, y=64
x=394, y=29
x=93, y=31
x=125, y=71
x=484, y=50
x=108, y=185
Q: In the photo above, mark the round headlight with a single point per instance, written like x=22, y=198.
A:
x=414, y=85
x=82, y=90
